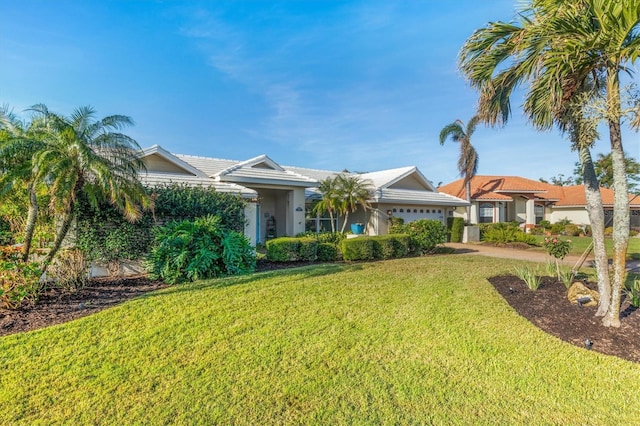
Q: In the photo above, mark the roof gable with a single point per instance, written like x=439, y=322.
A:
x=408, y=178
x=159, y=160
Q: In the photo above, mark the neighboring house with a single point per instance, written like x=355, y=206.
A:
x=512, y=198
x=280, y=198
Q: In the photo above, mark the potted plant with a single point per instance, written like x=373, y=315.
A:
x=357, y=228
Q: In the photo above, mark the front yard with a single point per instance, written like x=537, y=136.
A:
x=418, y=340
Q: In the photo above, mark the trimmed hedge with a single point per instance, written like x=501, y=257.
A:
x=283, y=249
x=455, y=227
x=328, y=252
x=375, y=247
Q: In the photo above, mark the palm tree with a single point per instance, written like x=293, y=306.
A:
x=555, y=47
x=468, y=160
x=17, y=146
x=86, y=157
x=329, y=201
x=352, y=191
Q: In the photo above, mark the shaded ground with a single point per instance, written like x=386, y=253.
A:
x=547, y=308
x=57, y=306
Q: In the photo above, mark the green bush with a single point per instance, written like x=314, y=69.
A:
x=425, y=235
x=193, y=250
x=308, y=249
x=360, y=248
x=392, y=245
x=504, y=233
x=283, y=249
x=455, y=226
x=104, y=235
x=327, y=252
x=19, y=281
x=396, y=225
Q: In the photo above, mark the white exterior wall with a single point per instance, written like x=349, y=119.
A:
x=250, y=225
x=577, y=215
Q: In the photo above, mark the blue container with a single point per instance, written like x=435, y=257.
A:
x=357, y=228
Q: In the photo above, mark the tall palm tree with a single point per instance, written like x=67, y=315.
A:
x=468, y=160
x=17, y=146
x=555, y=47
x=352, y=192
x=86, y=157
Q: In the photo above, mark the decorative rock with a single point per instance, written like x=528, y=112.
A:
x=580, y=291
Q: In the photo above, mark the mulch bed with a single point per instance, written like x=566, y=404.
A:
x=56, y=305
x=549, y=309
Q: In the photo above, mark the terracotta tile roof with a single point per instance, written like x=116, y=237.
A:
x=498, y=188
x=575, y=196
x=495, y=187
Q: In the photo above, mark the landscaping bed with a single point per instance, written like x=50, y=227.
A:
x=549, y=309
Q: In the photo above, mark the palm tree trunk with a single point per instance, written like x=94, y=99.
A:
x=333, y=224
x=620, y=200
x=596, y=218
x=346, y=219
x=60, y=236
x=30, y=228
x=468, y=193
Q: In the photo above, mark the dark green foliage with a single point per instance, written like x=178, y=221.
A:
x=308, y=249
x=104, y=235
x=360, y=248
x=455, y=225
x=178, y=202
x=283, y=249
x=391, y=246
x=506, y=232
x=425, y=235
x=324, y=237
x=327, y=252
x=198, y=249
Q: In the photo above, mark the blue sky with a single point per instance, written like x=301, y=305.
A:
x=357, y=85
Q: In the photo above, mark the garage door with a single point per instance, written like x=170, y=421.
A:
x=411, y=214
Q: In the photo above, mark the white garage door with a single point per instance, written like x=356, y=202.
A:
x=411, y=214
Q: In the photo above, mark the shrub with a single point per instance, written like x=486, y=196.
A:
x=455, y=226
x=632, y=290
x=529, y=276
x=70, y=269
x=308, y=249
x=504, y=233
x=396, y=225
x=361, y=248
x=573, y=230
x=544, y=224
x=327, y=252
x=283, y=249
x=19, y=282
x=198, y=249
x=425, y=235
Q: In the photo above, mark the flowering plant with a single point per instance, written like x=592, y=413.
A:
x=557, y=248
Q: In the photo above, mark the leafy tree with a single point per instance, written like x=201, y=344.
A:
x=555, y=47
x=468, y=160
x=82, y=155
x=604, y=171
x=559, y=180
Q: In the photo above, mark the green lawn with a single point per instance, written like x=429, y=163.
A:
x=412, y=341
x=580, y=244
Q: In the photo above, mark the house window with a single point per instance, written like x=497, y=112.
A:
x=486, y=213
x=538, y=210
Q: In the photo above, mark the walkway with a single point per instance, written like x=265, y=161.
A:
x=531, y=255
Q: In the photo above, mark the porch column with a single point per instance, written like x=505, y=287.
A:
x=530, y=221
x=473, y=213
x=250, y=224
x=298, y=214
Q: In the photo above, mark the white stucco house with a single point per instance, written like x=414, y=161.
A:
x=279, y=198
x=513, y=198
